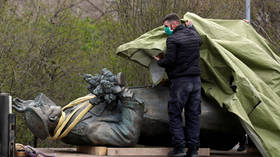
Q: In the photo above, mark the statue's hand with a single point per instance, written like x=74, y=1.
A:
x=20, y=105
x=126, y=93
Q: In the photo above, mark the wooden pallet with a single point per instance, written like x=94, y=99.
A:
x=136, y=152
x=103, y=151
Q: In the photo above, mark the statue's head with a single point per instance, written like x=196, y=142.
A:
x=41, y=114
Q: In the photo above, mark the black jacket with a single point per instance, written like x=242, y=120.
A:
x=182, y=54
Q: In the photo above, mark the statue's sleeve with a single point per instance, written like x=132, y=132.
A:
x=123, y=133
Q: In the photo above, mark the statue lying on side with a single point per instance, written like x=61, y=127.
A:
x=113, y=115
x=110, y=115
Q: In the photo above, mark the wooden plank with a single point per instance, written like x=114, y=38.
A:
x=55, y=150
x=228, y=152
x=72, y=152
x=63, y=152
x=148, y=151
x=99, y=151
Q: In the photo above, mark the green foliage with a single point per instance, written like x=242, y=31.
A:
x=144, y=15
x=48, y=52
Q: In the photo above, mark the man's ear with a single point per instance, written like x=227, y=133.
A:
x=174, y=24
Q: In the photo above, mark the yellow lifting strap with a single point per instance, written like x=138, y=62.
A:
x=84, y=101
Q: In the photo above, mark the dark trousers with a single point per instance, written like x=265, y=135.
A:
x=185, y=92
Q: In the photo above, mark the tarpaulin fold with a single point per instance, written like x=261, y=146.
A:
x=239, y=70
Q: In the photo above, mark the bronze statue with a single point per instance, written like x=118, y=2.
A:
x=119, y=116
x=114, y=119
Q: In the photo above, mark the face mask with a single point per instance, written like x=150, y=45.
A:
x=168, y=31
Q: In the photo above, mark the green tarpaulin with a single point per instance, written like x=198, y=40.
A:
x=233, y=55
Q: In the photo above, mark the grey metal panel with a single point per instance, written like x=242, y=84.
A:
x=12, y=134
x=4, y=111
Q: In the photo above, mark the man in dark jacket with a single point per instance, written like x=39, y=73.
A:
x=181, y=63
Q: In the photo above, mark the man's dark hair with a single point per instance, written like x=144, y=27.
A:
x=171, y=17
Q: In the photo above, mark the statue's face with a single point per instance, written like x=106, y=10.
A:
x=41, y=114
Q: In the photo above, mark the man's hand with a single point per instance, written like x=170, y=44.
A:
x=156, y=58
x=245, y=20
x=159, y=56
